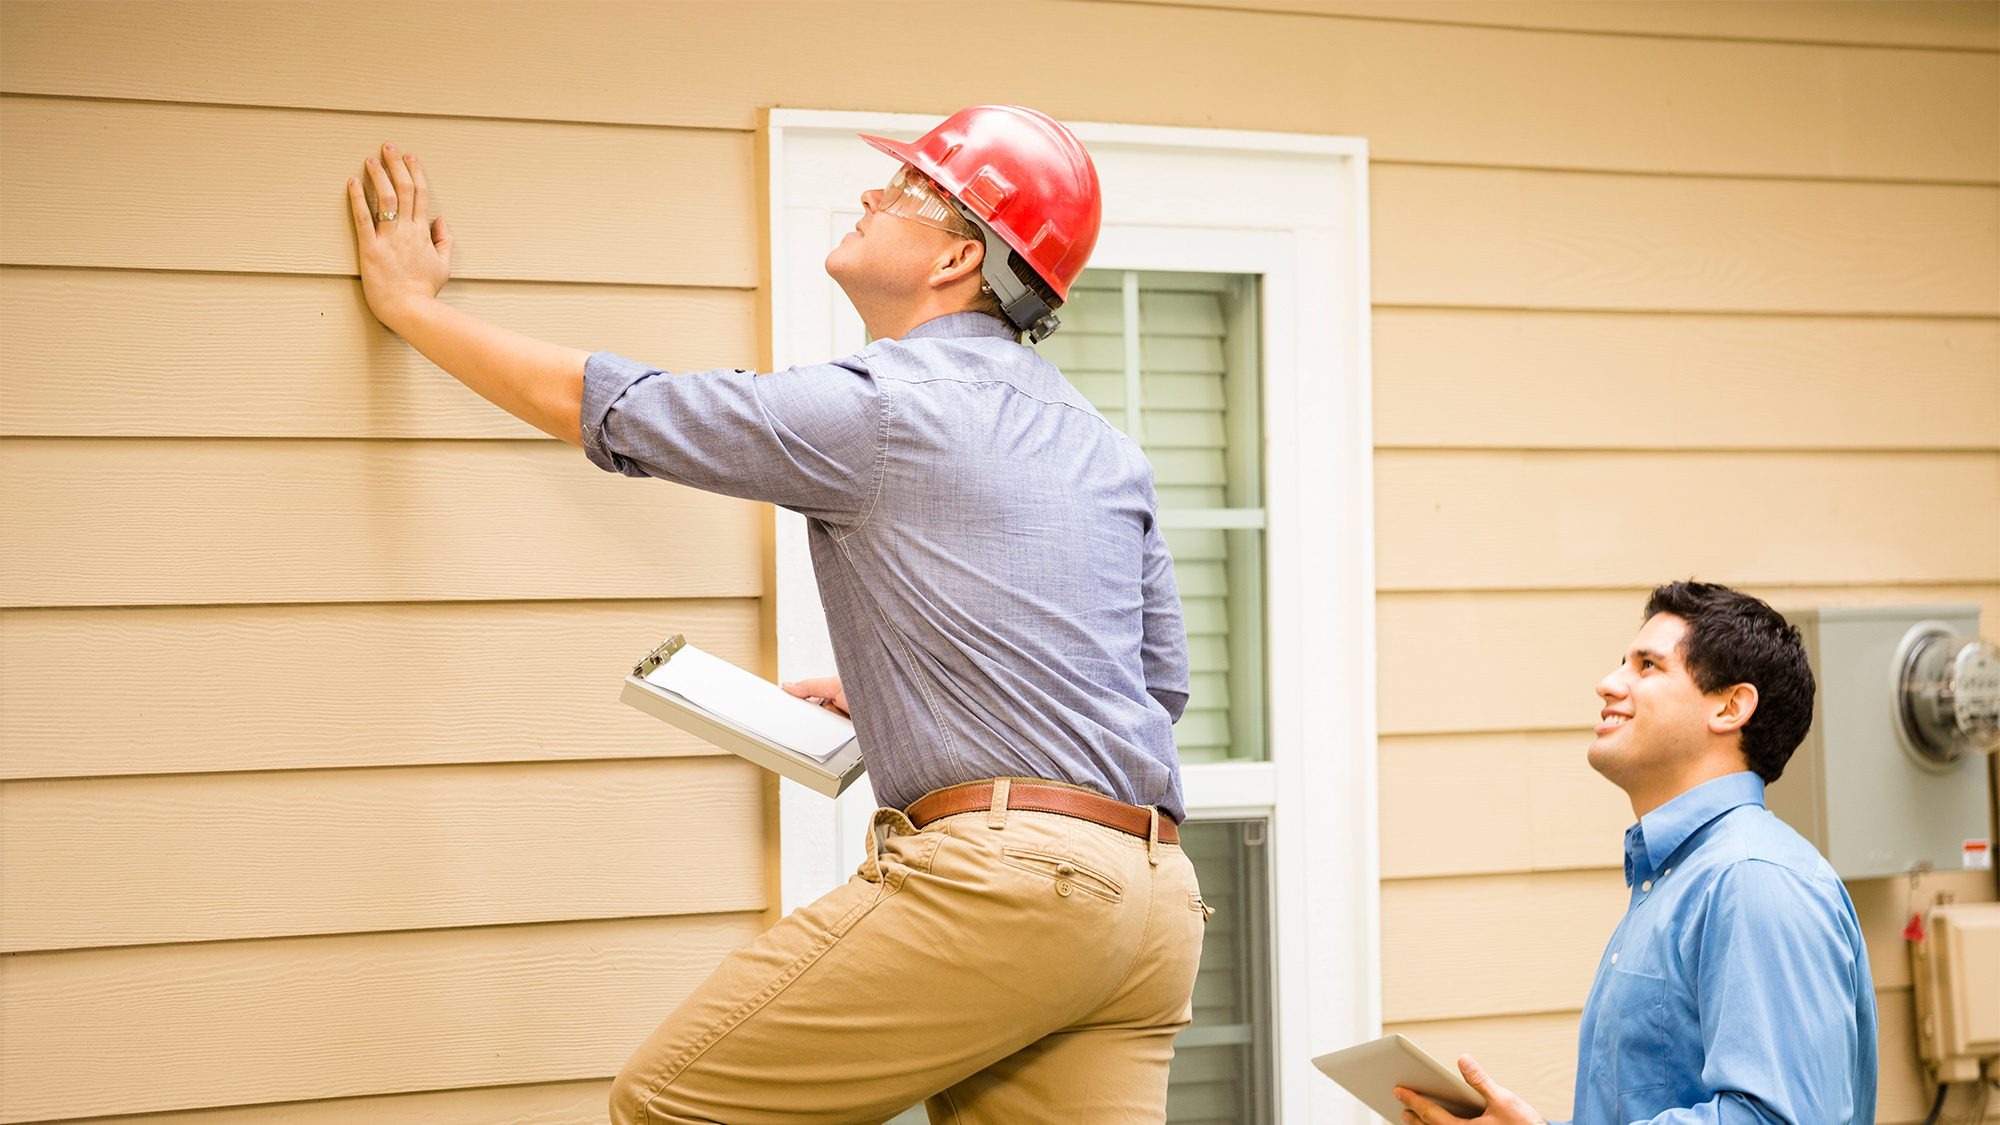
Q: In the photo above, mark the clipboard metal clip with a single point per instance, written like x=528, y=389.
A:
x=660, y=655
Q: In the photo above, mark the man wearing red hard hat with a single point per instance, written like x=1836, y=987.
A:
x=1021, y=943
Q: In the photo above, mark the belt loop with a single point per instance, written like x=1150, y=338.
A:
x=884, y=824
x=1153, y=836
x=875, y=838
x=996, y=814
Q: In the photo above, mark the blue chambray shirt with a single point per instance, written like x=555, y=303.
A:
x=1000, y=598
x=1736, y=989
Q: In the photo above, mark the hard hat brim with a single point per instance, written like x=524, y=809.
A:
x=916, y=158
x=907, y=153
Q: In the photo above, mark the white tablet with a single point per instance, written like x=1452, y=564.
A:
x=1372, y=1071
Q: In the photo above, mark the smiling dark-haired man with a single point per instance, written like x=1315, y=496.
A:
x=1737, y=986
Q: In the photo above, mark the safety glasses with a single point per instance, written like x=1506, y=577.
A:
x=913, y=197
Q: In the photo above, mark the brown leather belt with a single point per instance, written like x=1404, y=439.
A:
x=1030, y=796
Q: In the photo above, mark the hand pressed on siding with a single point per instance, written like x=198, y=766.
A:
x=825, y=691
x=1502, y=1106
x=405, y=260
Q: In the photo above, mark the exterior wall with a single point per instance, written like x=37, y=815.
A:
x=368, y=823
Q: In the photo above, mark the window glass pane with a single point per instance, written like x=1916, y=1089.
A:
x=1222, y=1064
x=1172, y=359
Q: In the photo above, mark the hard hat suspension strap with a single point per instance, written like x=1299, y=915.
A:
x=1025, y=308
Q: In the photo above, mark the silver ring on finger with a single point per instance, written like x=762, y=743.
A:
x=385, y=217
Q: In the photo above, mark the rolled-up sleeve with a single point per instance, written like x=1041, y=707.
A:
x=808, y=438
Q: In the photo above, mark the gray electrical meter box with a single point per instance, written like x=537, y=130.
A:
x=1893, y=774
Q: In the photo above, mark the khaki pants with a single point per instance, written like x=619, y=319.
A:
x=1008, y=966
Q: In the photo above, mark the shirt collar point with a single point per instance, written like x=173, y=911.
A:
x=1666, y=828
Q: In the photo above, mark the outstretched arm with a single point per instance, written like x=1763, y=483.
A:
x=405, y=259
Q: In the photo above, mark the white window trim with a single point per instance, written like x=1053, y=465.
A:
x=1293, y=208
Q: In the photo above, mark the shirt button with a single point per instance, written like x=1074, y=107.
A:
x=1065, y=869
x=1614, y=958
x=1668, y=871
x=1063, y=889
x=1646, y=886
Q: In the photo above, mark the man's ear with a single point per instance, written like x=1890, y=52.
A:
x=961, y=259
x=1735, y=705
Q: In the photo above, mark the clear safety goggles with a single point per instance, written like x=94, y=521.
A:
x=912, y=196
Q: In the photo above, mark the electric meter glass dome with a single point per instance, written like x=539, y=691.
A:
x=1948, y=695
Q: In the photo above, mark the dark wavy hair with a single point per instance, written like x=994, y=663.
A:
x=1733, y=638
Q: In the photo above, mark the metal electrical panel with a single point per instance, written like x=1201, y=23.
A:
x=1956, y=968
x=1892, y=777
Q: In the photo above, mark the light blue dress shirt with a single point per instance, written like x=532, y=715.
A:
x=1736, y=989
x=1000, y=596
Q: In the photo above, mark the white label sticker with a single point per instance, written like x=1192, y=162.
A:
x=1978, y=855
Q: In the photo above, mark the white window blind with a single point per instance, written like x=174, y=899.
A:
x=1222, y=1064
x=1171, y=358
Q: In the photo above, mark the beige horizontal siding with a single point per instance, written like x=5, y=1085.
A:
x=1955, y=24
x=1521, y=239
x=1541, y=653
x=172, y=187
x=1635, y=381
x=204, y=688
x=551, y=1103
x=510, y=914
x=270, y=521
x=1494, y=944
x=303, y=1018
x=130, y=861
x=1510, y=803
x=1654, y=104
x=1497, y=520
x=100, y=353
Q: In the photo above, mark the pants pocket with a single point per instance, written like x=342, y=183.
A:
x=1066, y=873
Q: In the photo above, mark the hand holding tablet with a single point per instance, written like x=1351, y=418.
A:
x=1387, y=1071
x=1372, y=1071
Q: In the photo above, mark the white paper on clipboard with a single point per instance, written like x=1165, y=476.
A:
x=750, y=717
x=753, y=703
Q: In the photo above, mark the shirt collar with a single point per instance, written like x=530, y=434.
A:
x=1661, y=832
x=961, y=324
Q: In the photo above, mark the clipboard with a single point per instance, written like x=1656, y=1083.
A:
x=830, y=775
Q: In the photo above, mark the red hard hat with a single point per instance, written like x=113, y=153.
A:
x=1024, y=174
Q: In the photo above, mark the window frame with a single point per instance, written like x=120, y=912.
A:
x=1292, y=209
